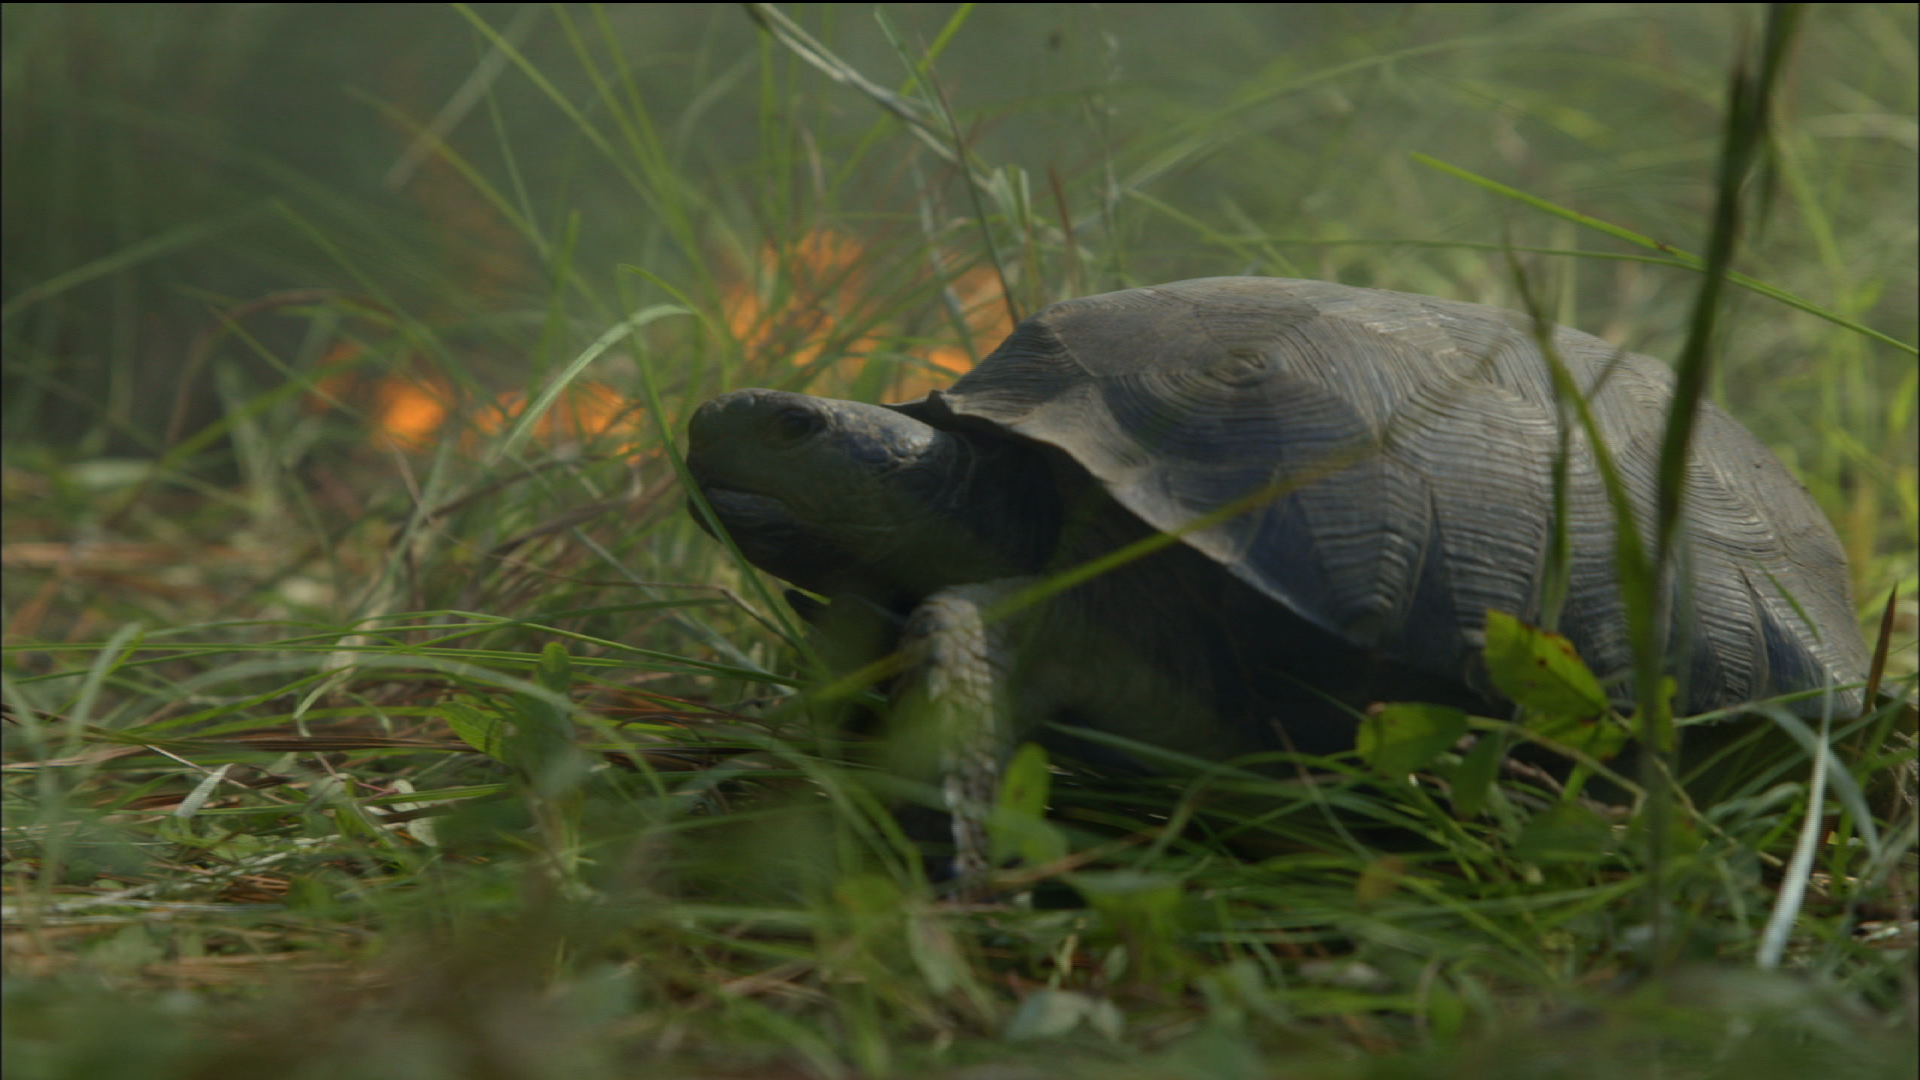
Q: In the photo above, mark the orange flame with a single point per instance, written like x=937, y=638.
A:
x=583, y=410
x=829, y=288
x=828, y=291
x=988, y=321
x=410, y=410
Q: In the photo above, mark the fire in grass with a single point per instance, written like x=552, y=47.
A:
x=815, y=314
x=411, y=411
x=807, y=313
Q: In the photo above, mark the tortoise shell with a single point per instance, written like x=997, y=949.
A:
x=1396, y=455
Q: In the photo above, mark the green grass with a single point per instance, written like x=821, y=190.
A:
x=330, y=757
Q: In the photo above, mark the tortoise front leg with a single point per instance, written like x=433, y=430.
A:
x=957, y=703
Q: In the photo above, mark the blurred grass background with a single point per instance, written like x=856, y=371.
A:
x=344, y=346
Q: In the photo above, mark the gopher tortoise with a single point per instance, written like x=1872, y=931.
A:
x=1408, y=444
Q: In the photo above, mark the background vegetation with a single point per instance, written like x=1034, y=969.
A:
x=375, y=708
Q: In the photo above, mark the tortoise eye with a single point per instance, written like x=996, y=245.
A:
x=795, y=423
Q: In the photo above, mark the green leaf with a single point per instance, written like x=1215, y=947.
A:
x=1049, y=1014
x=484, y=731
x=1378, y=879
x=1559, y=697
x=936, y=952
x=540, y=736
x=1399, y=737
x=1600, y=736
x=1681, y=837
x=1565, y=832
x=1539, y=670
x=867, y=897
x=555, y=671
x=1018, y=828
x=1143, y=910
x=1472, y=779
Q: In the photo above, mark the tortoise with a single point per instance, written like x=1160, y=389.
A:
x=1394, y=457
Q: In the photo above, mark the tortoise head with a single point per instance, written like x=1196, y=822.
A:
x=840, y=496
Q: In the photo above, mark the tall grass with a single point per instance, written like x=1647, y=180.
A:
x=471, y=756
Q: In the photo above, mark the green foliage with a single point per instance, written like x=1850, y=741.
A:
x=1401, y=737
x=1561, y=700
x=1019, y=828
